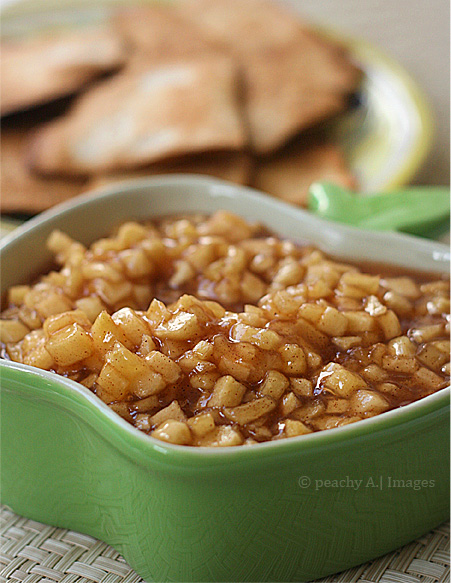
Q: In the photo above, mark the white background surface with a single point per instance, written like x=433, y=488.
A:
x=414, y=32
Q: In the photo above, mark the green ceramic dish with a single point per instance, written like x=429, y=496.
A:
x=291, y=510
x=386, y=135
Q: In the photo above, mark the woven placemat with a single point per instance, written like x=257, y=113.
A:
x=32, y=552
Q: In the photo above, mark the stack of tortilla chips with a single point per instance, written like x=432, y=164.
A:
x=237, y=89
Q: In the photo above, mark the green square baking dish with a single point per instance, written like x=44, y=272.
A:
x=292, y=510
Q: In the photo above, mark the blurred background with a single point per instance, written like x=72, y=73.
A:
x=414, y=32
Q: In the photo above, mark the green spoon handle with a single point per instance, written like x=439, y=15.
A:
x=415, y=209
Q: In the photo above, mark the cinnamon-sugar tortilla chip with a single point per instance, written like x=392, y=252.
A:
x=290, y=89
x=39, y=69
x=289, y=173
x=242, y=25
x=22, y=191
x=145, y=114
x=231, y=166
x=293, y=78
x=160, y=31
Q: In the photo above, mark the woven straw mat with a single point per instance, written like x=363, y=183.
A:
x=32, y=552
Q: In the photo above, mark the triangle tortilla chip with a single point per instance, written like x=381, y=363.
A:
x=160, y=31
x=289, y=173
x=40, y=69
x=21, y=190
x=148, y=113
x=293, y=78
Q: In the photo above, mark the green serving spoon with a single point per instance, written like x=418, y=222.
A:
x=421, y=210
